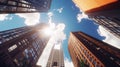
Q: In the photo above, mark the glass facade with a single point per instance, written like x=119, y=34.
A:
x=93, y=52
x=56, y=58
x=22, y=6
x=23, y=47
x=111, y=24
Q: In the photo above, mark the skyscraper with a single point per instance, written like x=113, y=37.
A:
x=87, y=51
x=21, y=47
x=104, y=12
x=24, y=6
x=56, y=58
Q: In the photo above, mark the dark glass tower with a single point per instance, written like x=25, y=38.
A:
x=87, y=51
x=21, y=47
x=24, y=6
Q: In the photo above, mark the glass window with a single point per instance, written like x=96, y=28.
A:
x=12, y=48
x=0, y=42
x=16, y=61
x=19, y=43
x=54, y=64
x=94, y=62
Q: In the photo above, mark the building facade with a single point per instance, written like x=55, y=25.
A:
x=87, y=51
x=24, y=6
x=110, y=24
x=21, y=47
x=104, y=12
x=56, y=58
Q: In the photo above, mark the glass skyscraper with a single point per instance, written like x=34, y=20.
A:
x=24, y=6
x=21, y=47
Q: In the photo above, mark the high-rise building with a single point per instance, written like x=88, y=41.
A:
x=87, y=51
x=104, y=12
x=21, y=47
x=56, y=58
x=24, y=6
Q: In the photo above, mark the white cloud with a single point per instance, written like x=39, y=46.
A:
x=59, y=29
x=81, y=16
x=76, y=4
x=3, y=17
x=110, y=38
x=50, y=14
x=30, y=18
x=59, y=32
x=68, y=63
x=10, y=18
x=60, y=10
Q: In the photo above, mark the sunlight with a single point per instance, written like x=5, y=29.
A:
x=49, y=31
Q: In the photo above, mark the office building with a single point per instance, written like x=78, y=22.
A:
x=24, y=6
x=87, y=51
x=104, y=12
x=21, y=47
x=56, y=58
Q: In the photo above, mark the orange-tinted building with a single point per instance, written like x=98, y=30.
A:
x=96, y=5
x=104, y=12
x=87, y=51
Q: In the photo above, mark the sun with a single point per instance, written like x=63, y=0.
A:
x=49, y=31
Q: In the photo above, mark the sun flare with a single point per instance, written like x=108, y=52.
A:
x=49, y=31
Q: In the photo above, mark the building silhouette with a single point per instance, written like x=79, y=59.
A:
x=56, y=58
x=24, y=6
x=21, y=47
x=104, y=12
x=87, y=51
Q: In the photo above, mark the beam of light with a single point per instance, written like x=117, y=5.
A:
x=42, y=61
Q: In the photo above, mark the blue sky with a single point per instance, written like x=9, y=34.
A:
x=65, y=12
x=69, y=18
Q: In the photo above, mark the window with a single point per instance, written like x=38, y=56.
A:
x=90, y=59
x=111, y=58
x=12, y=48
x=98, y=48
x=0, y=42
x=16, y=61
x=54, y=64
x=11, y=2
x=94, y=62
x=19, y=43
